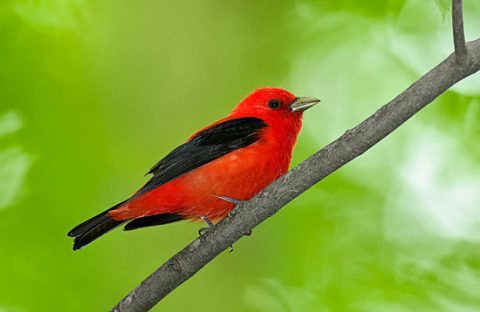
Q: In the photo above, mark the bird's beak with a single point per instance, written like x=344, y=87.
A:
x=303, y=103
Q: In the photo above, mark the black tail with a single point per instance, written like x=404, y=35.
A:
x=93, y=228
x=159, y=219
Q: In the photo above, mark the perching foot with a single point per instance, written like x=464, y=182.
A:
x=209, y=227
x=237, y=202
x=233, y=211
x=230, y=200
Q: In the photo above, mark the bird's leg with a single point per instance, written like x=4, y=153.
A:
x=209, y=223
x=237, y=202
x=209, y=227
x=229, y=199
x=234, y=201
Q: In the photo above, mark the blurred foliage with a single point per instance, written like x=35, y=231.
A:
x=92, y=94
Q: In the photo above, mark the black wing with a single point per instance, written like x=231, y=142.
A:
x=204, y=147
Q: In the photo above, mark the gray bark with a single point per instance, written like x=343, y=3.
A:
x=458, y=32
x=350, y=145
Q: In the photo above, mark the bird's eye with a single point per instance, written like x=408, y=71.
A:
x=274, y=104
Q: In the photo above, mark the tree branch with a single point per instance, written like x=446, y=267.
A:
x=458, y=33
x=350, y=145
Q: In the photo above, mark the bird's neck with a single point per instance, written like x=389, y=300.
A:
x=283, y=133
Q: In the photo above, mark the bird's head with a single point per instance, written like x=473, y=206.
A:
x=274, y=104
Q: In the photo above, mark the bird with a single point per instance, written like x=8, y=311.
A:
x=219, y=166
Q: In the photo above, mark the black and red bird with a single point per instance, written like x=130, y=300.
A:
x=228, y=161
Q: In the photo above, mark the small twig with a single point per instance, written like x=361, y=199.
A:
x=458, y=32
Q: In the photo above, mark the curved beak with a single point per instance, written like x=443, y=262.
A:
x=303, y=103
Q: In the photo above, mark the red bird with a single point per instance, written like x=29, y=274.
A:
x=222, y=164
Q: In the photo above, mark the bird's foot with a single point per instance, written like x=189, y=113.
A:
x=237, y=202
x=203, y=231
x=207, y=229
x=234, y=211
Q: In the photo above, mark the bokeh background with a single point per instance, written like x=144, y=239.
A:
x=92, y=93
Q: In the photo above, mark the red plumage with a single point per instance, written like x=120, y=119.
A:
x=238, y=156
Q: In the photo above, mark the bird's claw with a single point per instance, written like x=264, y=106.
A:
x=207, y=229
x=210, y=225
x=233, y=211
x=237, y=202
x=204, y=231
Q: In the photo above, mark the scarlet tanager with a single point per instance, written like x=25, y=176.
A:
x=222, y=164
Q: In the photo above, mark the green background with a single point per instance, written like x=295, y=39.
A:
x=92, y=93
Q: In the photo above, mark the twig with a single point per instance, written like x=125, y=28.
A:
x=458, y=33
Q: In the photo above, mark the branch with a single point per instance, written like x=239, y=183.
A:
x=458, y=33
x=350, y=145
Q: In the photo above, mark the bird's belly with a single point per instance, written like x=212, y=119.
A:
x=236, y=179
x=238, y=175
